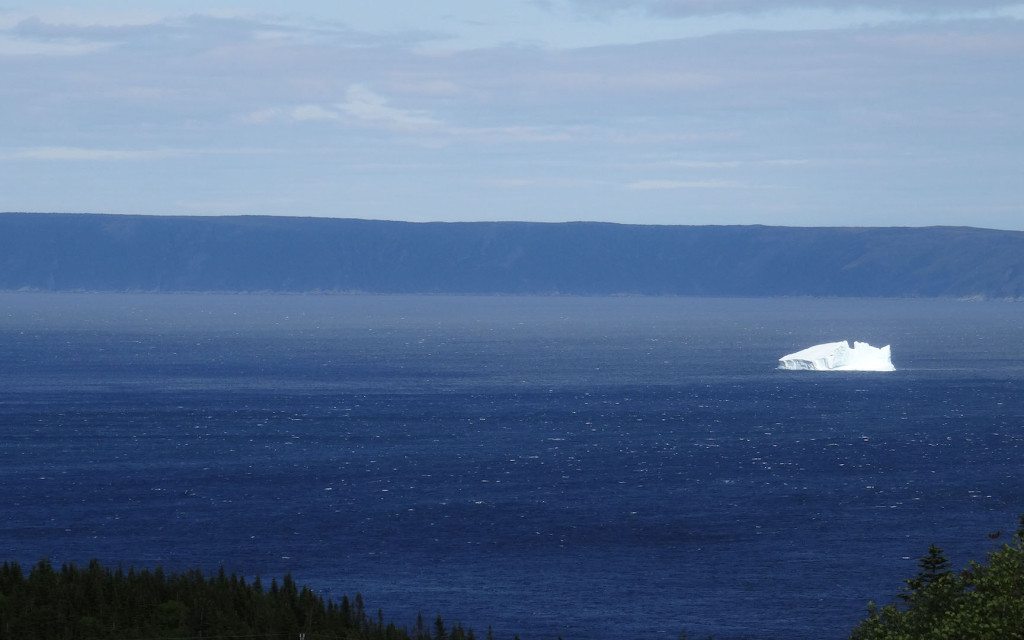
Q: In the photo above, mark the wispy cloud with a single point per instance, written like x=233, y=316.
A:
x=363, y=107
x=684, y=8
x=15, y=46
x=313, y=113
x=661, y=185
x=712, y=165
x=75, y=35
x=541, y=182
x=515, y=133
x=86, y=154
x=92, y=154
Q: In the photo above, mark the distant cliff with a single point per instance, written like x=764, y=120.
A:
x=61, y=252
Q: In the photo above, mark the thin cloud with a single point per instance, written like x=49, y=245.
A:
x=202, y=30
x=530, y=183
x=14, y=46
x=734, y=164
x=85, y=154
x=92, y=154
x=262, y=116
x=361, y=107
x=299, y=113
x=661, y=185
x=366, y=106
x=705, y=164
x=687, y=8
x=313, y=112
x=512, y=134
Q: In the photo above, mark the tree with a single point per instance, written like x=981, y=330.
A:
x=934, y=567
x=983, y=602
x=420, y=630
x=96, y=603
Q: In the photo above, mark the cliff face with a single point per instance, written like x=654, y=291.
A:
x=153, y=253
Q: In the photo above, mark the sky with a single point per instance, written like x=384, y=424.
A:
x=782, y=112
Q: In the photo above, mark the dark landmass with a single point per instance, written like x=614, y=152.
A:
x=95, y=602
x=92, y=252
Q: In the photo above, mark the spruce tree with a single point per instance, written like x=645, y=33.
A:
x=933, y=567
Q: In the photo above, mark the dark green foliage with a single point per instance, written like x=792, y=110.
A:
x=983, y=602
x=934, y=568
x=94, y=603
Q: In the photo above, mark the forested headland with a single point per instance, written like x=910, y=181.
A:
x=96, y=602
x=984, y=601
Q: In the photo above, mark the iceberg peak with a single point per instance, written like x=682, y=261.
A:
x=840, y=356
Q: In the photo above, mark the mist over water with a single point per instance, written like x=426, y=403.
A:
x=591, y=467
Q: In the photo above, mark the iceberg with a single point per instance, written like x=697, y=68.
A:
x=840, y=356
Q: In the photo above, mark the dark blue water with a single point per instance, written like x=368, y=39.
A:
x=590, y=467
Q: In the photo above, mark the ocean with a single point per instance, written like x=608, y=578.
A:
x=594, y=468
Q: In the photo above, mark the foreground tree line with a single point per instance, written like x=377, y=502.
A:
x=95, y=602
x=984, y=601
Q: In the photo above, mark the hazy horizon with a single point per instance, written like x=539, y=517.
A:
x=499, y=221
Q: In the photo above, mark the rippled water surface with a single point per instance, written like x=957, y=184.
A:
x=591, y=467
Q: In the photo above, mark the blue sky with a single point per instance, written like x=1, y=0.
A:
x=794, y=112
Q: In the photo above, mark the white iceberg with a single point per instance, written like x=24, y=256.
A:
x=840, y=356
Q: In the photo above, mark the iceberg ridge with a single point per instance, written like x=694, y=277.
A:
x=840, y=356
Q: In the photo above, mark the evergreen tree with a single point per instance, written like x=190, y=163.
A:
x=983, y=602
x=933, y=567
x=360, y=610
x=97, y=603
x=420, y=631
x=346, y=611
